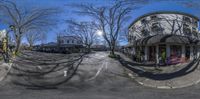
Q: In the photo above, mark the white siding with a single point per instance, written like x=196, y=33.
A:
x=166, y=21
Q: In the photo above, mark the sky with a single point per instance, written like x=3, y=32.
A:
x=67, y=11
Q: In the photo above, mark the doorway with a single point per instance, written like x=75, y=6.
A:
x=152, y=53
x=162, y=54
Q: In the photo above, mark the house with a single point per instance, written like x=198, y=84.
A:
x=64, y=44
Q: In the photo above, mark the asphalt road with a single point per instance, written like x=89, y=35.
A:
x=98, y=77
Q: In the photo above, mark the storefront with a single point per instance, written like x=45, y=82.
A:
x=166, y=52
x=165, y=37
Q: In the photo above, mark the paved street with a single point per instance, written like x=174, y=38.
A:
x=164, y=77
x=98, y=77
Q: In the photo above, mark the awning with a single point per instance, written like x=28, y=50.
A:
x=173, y=39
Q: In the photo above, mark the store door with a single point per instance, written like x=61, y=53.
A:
x=152, y=53
x=162, y=53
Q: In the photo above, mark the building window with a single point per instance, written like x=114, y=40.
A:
x=145, y=32
x=72, y=41
x=195, y=23
x=67, y=41
x=186, y=19
x=143, y=21
x=195, y=33
x=62, y=41
x=154, y=17
x=185, y=26
x=156, y=28
x=187, y=31
x=79, y=42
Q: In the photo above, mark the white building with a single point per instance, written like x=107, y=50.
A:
x=69, y=40
x=64, y=44
x=167, y=37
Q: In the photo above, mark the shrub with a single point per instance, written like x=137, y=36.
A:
x=114, y=56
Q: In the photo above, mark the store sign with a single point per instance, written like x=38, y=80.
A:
x=2, y=34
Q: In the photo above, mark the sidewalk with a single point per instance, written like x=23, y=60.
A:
x=4, y=69
x=187, y=75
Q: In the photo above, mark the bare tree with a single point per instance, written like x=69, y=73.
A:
x=123, y=36
x=23, y=21
x=86, y=31
x=33, y=37
x=110, y=20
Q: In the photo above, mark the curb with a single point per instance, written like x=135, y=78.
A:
x=6, y=73
x=131, y=75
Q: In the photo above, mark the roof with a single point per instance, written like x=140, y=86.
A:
x=163, y=12
x=174, y=39
x=70, y=45
x=52, y=44
x=74, y=37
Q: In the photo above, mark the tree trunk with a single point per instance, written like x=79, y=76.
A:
x=88, y=49
x=30, y=46
x=18, y=41
x=112, y=50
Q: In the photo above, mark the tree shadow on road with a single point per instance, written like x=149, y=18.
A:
x=37, y=74
x=163, y=76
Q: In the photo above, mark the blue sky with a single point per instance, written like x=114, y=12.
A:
x=152, y=7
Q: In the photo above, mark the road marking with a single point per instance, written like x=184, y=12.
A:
x=106, y=65
x=9, y=68
x=98, y=72
x=65, y=73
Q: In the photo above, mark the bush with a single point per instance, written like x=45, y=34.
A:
x=1, y=58
x=114, y=56
x=17, y=53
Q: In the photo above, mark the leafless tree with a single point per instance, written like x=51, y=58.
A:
x=36, y=71
x=25, y=20
x=111, y=19
x=86, y=31
x=195, y=4
x=33, y=37
x=124, y=35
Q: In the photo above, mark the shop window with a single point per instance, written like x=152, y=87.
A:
x=176, y=51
